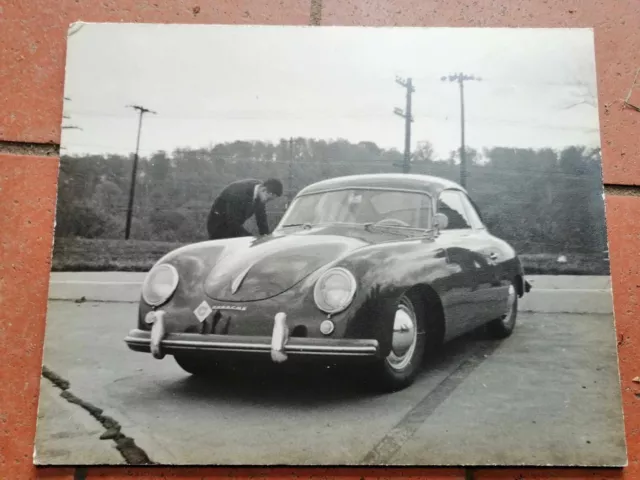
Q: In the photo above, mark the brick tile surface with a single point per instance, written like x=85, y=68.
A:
x=551, y=474
x=32, y=43
x=27, y=193
x=274, y=474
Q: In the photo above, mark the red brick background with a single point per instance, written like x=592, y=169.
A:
x=32, y=43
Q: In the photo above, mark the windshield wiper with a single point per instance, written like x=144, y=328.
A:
x=397, y=229
x=379, y=223
x=305, y=225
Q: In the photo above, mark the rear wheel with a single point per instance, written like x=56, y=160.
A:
x=400, y=367
x=503, y=327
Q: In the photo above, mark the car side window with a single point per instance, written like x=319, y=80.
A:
x=412, y=208
x=450, y=203
x=474, y=216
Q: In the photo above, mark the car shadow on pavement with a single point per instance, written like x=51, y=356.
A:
x=294, y=384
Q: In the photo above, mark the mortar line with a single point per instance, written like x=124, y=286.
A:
x=80, y=473
x=622, y=190
x=315, y=15
x=29, y=148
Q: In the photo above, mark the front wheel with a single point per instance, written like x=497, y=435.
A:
x=400, y=367
x=503, y=327
x=193, y=365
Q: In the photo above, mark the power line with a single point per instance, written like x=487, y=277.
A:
x=408, y=119
x=473, y=119
x=132, y=190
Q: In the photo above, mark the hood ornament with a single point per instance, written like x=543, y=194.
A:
x=237, y=282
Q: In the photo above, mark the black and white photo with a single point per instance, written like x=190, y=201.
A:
x=280, y=245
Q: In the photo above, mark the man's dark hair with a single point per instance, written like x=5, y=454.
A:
x=273, y=185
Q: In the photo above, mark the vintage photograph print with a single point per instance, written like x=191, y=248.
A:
x=280, y=245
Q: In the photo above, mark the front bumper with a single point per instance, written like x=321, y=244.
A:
x=172, y=343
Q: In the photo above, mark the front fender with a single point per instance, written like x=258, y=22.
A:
x=193, y=262
x=383, y=273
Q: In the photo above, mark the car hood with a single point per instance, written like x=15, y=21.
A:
x=268, y=266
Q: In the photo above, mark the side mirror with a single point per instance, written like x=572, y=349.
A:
x=440, y=221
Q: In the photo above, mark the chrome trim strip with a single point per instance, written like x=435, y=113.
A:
x=235, y=285
x=351, y=187
x=359, y=347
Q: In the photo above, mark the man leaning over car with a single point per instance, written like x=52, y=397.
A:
x=237, y=203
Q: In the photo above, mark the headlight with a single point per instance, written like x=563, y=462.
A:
x=334, y=290
x=160, y=284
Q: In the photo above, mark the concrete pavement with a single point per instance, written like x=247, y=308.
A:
x=66, y=427
x=547, y=395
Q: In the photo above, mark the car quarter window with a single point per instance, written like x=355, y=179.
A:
x=472, y=213
x=451, y=204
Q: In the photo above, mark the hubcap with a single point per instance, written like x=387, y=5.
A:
x=511, y=302
x=403, y=342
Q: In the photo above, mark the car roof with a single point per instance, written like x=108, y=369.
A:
x=428, y=183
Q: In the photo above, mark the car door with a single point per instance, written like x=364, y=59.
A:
x=468, y=251
x=490, y=249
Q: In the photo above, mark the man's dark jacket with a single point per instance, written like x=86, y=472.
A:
x=235, y=205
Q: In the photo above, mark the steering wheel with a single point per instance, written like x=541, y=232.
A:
x=393, y=221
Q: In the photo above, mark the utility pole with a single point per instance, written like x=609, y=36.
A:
x=325, y=164
x=290, y=182
x=408, y=119
x=141, y=111
x=461, y=78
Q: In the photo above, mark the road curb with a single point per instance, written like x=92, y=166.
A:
x=568, y=301
x=550, y=294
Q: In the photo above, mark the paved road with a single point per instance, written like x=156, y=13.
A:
x=549, y=394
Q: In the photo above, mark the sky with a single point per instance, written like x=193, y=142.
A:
x=217, y=83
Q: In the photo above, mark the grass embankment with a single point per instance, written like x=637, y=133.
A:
x=86, y=255
x=576, y=264
x=75, y=254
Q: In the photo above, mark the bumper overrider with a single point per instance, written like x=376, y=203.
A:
x=279, y=345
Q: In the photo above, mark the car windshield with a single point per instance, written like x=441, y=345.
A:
x=361, y=206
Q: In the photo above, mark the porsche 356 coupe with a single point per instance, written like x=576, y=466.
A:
x=378, y=268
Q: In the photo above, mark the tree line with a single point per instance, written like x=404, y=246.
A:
x=540, y=200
